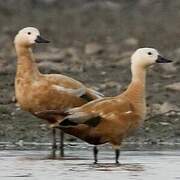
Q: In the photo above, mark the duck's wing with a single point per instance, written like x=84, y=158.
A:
x=94, y=94
x=66, y=85
x=79, y=92
x=96, y=111
x=50, y=114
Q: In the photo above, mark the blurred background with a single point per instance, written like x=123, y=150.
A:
x=92, y=41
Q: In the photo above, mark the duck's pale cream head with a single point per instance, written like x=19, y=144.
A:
x=145, y=57
x=29, y=36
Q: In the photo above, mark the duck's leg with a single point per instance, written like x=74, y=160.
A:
x=54, y=145
x=95, y=152
x=117, y=153
x=116, y=148
x=61, y=143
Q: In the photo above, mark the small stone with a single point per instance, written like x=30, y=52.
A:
x=103, y=73
x=171, y=113
x=165, y=107
x=154, y=109
x=14, y=100
x=168, y=76
x=13, y=113
x=174, y=86
x=164, y=123
x=43, y=127
x=112, y=84
x=110, y=5
x=131, y=42
x=20, y=143
x=93, y=48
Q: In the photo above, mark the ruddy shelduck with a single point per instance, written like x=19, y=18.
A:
x=36, y=92
x=111, y=119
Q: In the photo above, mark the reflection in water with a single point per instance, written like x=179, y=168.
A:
x=120, y=167
x=136, y=165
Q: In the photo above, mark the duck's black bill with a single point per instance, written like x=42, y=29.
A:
x=161, y=59
x=39, y=39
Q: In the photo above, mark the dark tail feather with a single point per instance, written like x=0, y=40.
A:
x=93, y=122
x=87, y=97
x=67, y=122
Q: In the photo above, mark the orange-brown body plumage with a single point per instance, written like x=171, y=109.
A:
x=37, y=92
x=111, y=119
x=119, y=117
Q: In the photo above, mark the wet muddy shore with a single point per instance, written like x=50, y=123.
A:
x=136, y=165
x=95, y=48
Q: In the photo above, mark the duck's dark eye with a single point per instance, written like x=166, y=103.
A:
x=29, y=33
x=149, y=53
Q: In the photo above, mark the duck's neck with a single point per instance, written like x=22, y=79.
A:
x=136, y=90
x=26, y=66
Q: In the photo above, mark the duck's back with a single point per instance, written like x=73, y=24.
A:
x=46, y=93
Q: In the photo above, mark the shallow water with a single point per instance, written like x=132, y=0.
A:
x=135, y=165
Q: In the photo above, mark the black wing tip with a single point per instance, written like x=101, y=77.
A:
x=67, y=122
x=93, y=122
x=87, y=97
